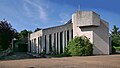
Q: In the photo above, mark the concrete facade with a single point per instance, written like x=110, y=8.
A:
x=55, y=39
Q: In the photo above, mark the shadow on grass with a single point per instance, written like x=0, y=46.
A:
x=23, y=55
x=16, y=56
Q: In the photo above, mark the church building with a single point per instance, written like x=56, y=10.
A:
x=55, y=39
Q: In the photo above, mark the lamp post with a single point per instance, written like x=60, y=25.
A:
x=13, y=43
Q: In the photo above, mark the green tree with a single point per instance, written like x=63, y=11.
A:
x=115, y=30
x=23, y=35
x=115, y=36
x=22, y=41
x=7, y=33
x=80, y=46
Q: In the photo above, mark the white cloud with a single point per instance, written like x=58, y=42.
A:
x=42, y=12
x=64, y=17
x=27, y=10
x=47, y=5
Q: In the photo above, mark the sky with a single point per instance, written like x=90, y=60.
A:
x=32, y=14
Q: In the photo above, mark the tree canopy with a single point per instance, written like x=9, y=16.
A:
x=23, y=35
x=7, y=33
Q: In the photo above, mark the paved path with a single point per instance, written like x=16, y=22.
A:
x=106, y=61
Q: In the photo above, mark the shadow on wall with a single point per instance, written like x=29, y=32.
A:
x=86, y=28
x=97, y=50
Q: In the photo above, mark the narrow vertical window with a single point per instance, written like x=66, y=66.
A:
x=50, y=43
x=57, y=42
x=38, y=44
x=54, y=42
x=30, y=46
x=67, y=36
x=61, y=42
x=72, y=33
x=45, y=49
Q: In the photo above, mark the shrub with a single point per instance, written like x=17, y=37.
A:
x=79, y=46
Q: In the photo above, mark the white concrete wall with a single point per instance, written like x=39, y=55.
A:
x=87, y=18
x=76, y=29
x=101, y=39
x=34, y=44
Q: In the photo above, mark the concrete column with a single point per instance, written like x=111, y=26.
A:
x=37, y=45
x=66, y=39
x=40, y=44
x=63, y=39
x=52, y=41
x=43, y=43
x=32, y=46
x=58, y=42
x=70, y=35
x=76, y=29
x=47, y=43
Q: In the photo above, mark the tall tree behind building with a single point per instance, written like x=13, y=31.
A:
x=23, y=35
x=115, y=36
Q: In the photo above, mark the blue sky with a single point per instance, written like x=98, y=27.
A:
x=30, y=14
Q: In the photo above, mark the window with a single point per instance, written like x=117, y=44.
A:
x=61, y=42
x=72, y=34
x=55, y=42
x=50, y=43
x=45, y=49
x=38, y=44
x=67, y=36
x=30, y=46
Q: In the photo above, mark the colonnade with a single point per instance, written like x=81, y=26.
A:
x=50, y=43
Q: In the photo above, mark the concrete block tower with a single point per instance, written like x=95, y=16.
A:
x=89, y=24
